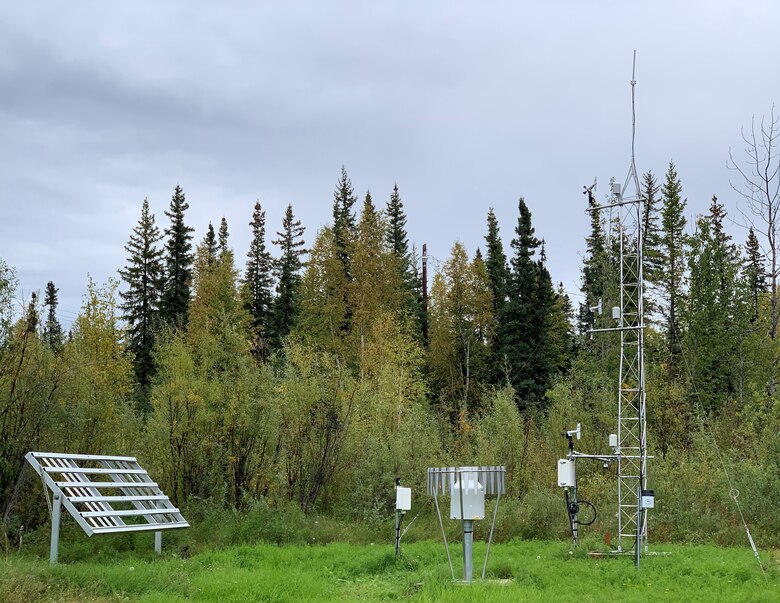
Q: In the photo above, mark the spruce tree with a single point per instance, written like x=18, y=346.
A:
x=594, y=269
x=496, y=264
x=52, y=330
x=140, y=305
x=523, y=330
x=32, y=317
x=397, y=238
x=754, y=272
x=671, y=272
x=287, y=272
x=178, y=263
x=209, y=245
x=650, y=237
x=498, y=276
x=714, y=315
x=344, y=221
x=258, y=280
x=398, y=241
x=223, y=236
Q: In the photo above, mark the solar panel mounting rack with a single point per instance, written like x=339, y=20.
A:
x=105, y=495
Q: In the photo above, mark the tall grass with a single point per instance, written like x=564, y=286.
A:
x=517, y=570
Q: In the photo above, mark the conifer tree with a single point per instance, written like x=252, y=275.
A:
x=209, y=245
x=562, y=320
x=595, y=269
x=288, y=277
x=754, y=271
x=671, y=272
x=497, y=270
x=344, y=221
x=140, y=305
x=496, y=264
x=397, y=237
x=32, y=317
x=258, y=280
x=223, y=236
x=650, y=228
x=714, y=313
x=52, y=330
x=650, y=237
x=523, y=331
x=178, y=263
x=398, y=241
x=549, y=352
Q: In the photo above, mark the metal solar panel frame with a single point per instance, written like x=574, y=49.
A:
x=91, y=486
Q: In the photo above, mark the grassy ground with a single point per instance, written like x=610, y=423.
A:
x=518, y=570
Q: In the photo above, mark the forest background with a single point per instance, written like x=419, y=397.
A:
x=312, y=379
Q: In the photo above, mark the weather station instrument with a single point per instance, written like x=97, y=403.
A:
x=467, y=488
x=629, y=444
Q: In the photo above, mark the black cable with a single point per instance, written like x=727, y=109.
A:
x=590, y=504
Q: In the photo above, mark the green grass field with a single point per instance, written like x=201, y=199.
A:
x=517, y=571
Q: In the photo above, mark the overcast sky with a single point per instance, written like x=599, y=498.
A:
x=466, y=105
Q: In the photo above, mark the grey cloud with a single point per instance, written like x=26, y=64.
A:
x=466, y=106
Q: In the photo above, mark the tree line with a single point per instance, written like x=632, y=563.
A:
x=315, y=377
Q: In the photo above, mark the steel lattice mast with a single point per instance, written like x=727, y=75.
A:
x=632, y=410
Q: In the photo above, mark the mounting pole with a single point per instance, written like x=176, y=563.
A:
x=425, y=294
x=158, y=543
x=56, y=513
x=397, y=521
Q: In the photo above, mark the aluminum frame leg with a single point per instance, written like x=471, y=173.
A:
x=56, y=514
x=158, y=543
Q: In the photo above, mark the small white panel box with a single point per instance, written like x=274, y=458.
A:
x=473, y=499
x=566, y=474
x=648, y=499
x=403, y=499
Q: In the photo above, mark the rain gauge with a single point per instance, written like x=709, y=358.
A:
x=467, y=488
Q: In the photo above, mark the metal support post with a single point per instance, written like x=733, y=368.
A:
x=397, y=532
x=468, y=549
x=158, y=543
x=56, y=512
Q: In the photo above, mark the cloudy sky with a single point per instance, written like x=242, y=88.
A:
x=466, y=105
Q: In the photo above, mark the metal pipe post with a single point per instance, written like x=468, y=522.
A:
x=56, y=512
x=468, y=549
x=397, y=532
x=158, y=543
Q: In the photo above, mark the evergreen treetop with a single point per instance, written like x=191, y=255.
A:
x=523, y=335
x=397, y=237
x=223, y=236
x=496, y=264
x=209, y=245
x=258, y=278
x=671, y=274
x=178, y=262
x=287, y=271
x=344, y=220
x=141, y=302
x=53, y=334
x=754, y=271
